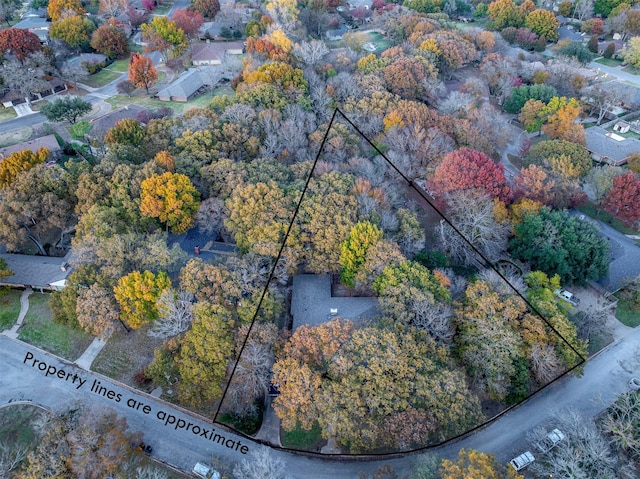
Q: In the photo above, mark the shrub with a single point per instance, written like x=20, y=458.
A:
x=609, y=50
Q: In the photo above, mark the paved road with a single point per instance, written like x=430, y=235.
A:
x=605, y=376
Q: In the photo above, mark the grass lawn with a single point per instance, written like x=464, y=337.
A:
x=381, y=42
x=126, y=354
x=631, y=69
x=40, y=330
x=591, y=210
x=9, y=307
x=625, y=314
x=7, y=114
x=15, y=136
x=142, y=99
x=304, y=440
x=610, y=62
x=101, y=78
x=119, y=65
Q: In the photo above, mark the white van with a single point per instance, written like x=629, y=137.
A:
x=568, y=296
x=202, y=470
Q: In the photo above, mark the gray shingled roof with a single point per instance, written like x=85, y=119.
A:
x=104, y=123
x=185, y=86
x=35, y=271
x=599, y=143
x=311, y=302
x=212, y=51
x=49, y=142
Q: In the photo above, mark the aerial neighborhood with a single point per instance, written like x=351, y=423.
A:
x=319, y=239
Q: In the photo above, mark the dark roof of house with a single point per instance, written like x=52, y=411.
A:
x=311, y=302
x=185, y=85
x=49, y=142
x=32, y=22
x=598, y=142
x=212, y=51
x=104, y=123
x=38, y=271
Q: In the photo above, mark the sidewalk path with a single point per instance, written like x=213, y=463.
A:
x=24, y=307
x=90, y=354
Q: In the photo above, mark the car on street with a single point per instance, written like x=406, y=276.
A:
x=522, y=461
x=206, y=472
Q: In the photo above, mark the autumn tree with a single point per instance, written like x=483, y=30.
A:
x=208, y=8
x=622, y=200
x=16, y=163
x=259, y=216
x=557, y=243
x=142, y=73
x=204, y=354
x=125, y=132
x=59, y=9
x=353, y=250
x=164, y=36
x=464, y=169
x=110, y=41
x=534, y=184
x=543, y=22
x=505, y=13
x=473, y=464
x=75, y=30
x=137, y=294
x=562, y=123
x=172, y=198
x=19, y=42
x=97, y=311
x=68, y=108
x=404, y=77
x=540, y=154
x=189, y=21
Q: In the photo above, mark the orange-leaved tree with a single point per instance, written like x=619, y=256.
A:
x=142, y=73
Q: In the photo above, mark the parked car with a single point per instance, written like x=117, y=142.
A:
x=550, y=441
x=522, y=461
x=568, y=296
x=207, y=472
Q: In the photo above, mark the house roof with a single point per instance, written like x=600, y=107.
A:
x=104, y=123
x=49, y=142
x=186, y=84
x=38, y=271
x=598, y=142
x=212, y=51
x=29, y=23
x=311, y=302
x=87, y=57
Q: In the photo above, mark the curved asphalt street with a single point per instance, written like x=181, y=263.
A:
x=604, y=376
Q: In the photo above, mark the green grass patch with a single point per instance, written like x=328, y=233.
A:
x=15, y=136
x=594, y=212
x=119, y=65
x=101, y=78
x=9, y=307
x=7, y=113
x=17, y=424
x=301, y=439
x=625, y=313
x=140, y=98
x=40, y=330
x=610, y=62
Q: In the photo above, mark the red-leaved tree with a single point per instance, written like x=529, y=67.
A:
x=21, y=43
x=189, y=21
x=623, y=200
x=464, y=169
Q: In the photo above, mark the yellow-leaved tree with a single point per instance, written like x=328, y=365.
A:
x=137, y=294
x=172, y=198
x=16, y=163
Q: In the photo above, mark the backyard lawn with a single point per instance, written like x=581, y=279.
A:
x=591, y=210
x=15, y=136
x=625, y=313
x=40, y=330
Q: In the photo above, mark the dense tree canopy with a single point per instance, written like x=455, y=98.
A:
x=110, y=41
x=19, y=42
x=16, y=163
x=137, y=293
x=557, y=243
